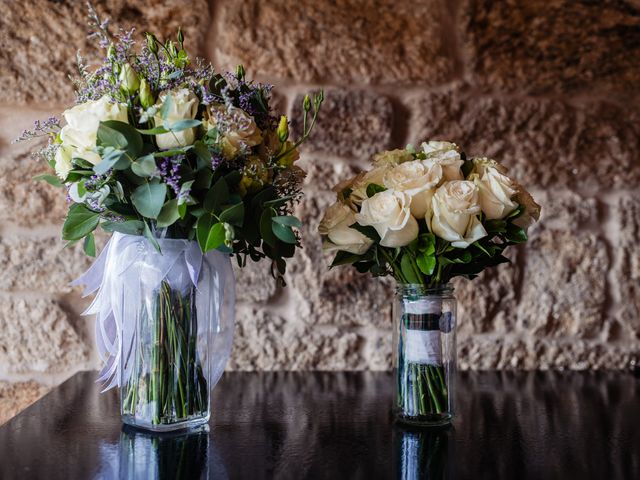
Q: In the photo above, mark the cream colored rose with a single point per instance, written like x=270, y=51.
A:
x=63, y=162
x=81, y=131
x=454, y=213
x=360, y=183
x=496, y=193
x=389, y=213
x=183, y=106
x=336, y=226
x=391, y=158
x=447, y=156
x=237, y=128
x=417, y=179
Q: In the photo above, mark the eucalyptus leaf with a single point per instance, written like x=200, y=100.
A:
x=129, y=227
x=284, y=233
x=181, y=125
x=217, y=196
x=287, y=220
x=50, y=179
x=144, y=166
x=149, y=236
x=169, y=214
x=148, y=198
x=234, y=215
x=265, y=227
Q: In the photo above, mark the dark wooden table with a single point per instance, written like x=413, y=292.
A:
x=513, y=425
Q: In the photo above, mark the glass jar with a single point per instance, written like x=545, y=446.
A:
x=176, y=329
x=424, y=359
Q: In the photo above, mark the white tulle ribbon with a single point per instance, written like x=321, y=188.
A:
x=129, y=266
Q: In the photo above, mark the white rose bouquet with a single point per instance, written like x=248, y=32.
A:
x=427, y=216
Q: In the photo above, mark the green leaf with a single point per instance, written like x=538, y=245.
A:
x=345, y=258
x=278, y=202
x=166, y=106
x=367, y=231
x=426, y=263
x=234, y=215
x=287, y=220
x=182, y=210
x=148, y=198
x=90, y=245
x=406, y=265
x=144, y=166
x=149, y=236
x=516, y=234
x=169, y=214
x=217, y=196
x=466, y=168
x=203, y=225
x=284, y=233
x=495, y=226
x=210, y=233
x=427, y=243
x=374, y=188
x=50, y=179
x=153, y=131
x=129, y=227
x=181, y=125
x=516, y=213
x=265, y=227
x=80, y=222
x=172, y=152
x=110, y=160
x=202, y=152
x=120, y=135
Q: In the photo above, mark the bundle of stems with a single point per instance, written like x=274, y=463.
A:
x=167, y=384
x=422, y=387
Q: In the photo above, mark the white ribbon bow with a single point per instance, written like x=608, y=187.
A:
x=128, y=266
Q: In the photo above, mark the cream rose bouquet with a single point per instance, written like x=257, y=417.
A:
x=427, y=216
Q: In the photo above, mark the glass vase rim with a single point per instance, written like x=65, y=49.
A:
x=424, y=290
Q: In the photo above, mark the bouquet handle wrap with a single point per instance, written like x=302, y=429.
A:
x=129, y=265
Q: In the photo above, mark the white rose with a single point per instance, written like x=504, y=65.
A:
x=454, y=213
x=183, y=106
x=81, y=131
x=391, y=158
x=417, y=179
x=63, y=162
x=388, y=212
x=336, y=226
x=496, y=191
x=447, y=156
x=360, y=183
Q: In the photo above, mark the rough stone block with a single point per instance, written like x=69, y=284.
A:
x=552, y=46
x=40, y=40
x=382, y=41
x=38, y=335
x=351, y=123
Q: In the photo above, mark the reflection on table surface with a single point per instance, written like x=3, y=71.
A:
x=338, y=425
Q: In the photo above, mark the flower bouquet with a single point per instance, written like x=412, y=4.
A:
x=425, y=217
x=185, y=166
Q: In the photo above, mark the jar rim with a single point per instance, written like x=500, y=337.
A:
x=421, y=289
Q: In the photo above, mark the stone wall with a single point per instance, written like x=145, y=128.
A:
x=549, y=87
